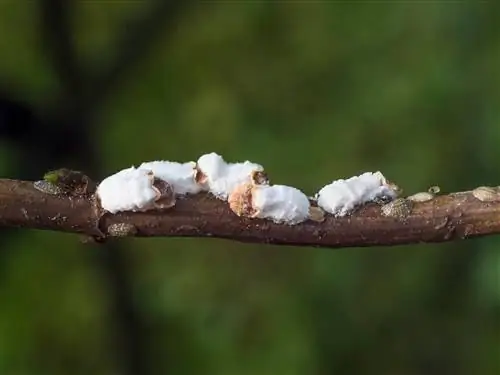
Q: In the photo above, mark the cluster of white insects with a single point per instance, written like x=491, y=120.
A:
x=245, y=186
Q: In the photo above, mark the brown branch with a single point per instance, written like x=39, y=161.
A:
x=445, y=218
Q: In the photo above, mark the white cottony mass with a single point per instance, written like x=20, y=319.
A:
x=181, y=176
x=280, y=203
x=341, y=197
x=130, y=189
x=220, y=177
x=244, y=185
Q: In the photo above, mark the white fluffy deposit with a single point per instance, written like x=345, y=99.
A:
x=243, y=185
x=221, y=178
x=130, y=189
x=280, y=203
x=181, y=176
x=341, y=197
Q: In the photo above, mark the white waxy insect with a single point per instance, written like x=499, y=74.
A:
x=342, y=197
x=486, y=194
x=134, y=189
x=279, y=203
x=48, y=187
x=122, y=230
x=221, y=178
x=399, y=208
x=181, y=176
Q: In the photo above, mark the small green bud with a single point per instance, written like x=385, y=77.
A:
x=51, y=177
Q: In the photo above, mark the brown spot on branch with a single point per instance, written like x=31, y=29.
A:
x=445, y=218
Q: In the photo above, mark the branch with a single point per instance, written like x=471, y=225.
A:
x=445, y=218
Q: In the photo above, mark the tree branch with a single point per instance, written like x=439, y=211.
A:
x=445, y=218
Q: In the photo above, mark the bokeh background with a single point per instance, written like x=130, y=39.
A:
x=313, y=91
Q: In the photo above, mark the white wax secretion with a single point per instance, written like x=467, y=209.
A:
x=280, y=203
x=130, y=189
x=223, y=177
x=181, y=176
x=341, y=197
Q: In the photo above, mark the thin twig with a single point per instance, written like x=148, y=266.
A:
x=445, y=218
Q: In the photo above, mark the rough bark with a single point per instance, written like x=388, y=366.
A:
x=445, y=218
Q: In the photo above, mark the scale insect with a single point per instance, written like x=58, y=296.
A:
x=342, y=197
x=434, y=189
x=316, y=214
x=399, y=208
x=122, y=230
x=486, y=193
x=423, y=196
x=220, y=178
x=279, y=203
x=48, y=188
x=135, y=190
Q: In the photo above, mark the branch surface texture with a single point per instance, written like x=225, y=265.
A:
x=444, y=218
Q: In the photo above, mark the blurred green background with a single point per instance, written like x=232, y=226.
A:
x=314, y=91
